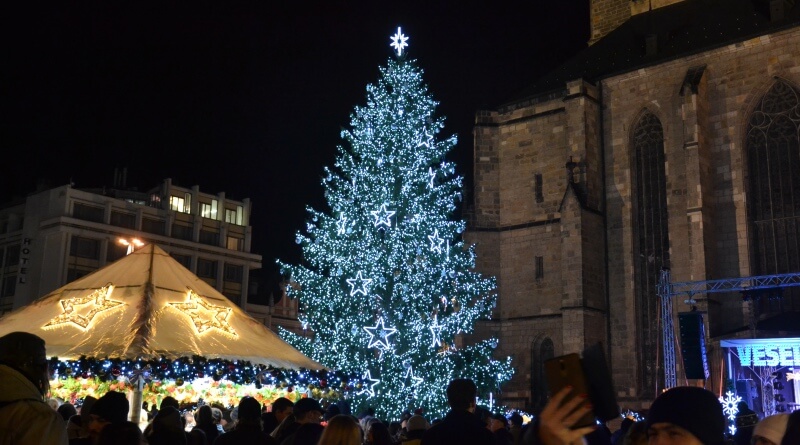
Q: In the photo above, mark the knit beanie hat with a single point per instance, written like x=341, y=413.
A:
x=772, y=427
x=694, y=409
x=112, y=406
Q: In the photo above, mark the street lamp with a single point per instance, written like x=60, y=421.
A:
x=132, y=244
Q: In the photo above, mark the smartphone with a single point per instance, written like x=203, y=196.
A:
x=567, y=370
x=598, y=379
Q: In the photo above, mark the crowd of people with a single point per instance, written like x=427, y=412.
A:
x=683, y=415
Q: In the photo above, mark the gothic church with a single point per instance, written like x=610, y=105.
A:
x=672, y=142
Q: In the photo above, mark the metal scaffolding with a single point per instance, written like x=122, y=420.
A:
x=666, y=290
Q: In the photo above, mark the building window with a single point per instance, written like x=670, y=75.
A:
x=539, y=267
x=181, y=204
x=233, y=273
x=121, y=219
x=185, y=260
x=206, y=268
x=209, y=210
x=235, y=243
x=773, y=150
x=537, y=187
x=541, y=351
x=652, y=241
x=88, y=213
x=210, y=238
x=115, y=251
x=9, y=286
x=12, y=256
x=235, y=216
x=182, y=232
x=73, y=273
x=154, y=226
x=85, y=248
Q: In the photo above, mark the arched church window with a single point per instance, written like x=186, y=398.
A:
x=541, y=351
x=773, y=152
x=651, y=242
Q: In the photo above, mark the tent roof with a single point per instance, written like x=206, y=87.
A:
x=146, y=305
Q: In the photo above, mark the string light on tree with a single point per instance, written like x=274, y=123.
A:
x=383, y=216
x=436, y=241
x=379, y=335
x=341, y=225
x=390, y=173
x=368, y=387
x=436, y=331
x=362, y=287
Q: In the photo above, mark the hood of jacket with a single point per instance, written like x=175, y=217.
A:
x=14, y=386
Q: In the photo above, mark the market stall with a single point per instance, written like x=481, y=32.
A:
x=146, y=324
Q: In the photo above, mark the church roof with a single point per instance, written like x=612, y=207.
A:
x=678, y=30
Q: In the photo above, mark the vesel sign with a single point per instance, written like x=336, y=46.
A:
x=769, y=355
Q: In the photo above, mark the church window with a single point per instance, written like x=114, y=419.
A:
x=773, y=150
x=651, y=236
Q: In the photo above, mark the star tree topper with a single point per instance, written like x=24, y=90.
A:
x=399, y=42
x=379, y=335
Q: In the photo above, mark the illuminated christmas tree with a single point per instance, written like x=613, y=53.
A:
x=387, y=282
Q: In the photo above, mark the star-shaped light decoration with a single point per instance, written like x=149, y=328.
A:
x=399, y=42
x=80, y=311
x=426, y=140
x=369, y=388
x=410, y=380
x=383, y=216
x=432, y=176
x=205, y=315
x=362, y=288
x=379, y=335
x=436, y=330
x=436, y=241
x=341, y=224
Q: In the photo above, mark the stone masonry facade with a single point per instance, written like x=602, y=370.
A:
x=561, y=240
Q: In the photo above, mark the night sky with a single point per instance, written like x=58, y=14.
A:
x=247, y=97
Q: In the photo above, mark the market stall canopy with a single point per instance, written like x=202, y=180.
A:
x=147, y=305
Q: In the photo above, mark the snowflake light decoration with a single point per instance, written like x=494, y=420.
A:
x=730, y=404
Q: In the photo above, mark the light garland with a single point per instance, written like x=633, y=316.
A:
x=191, y=378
